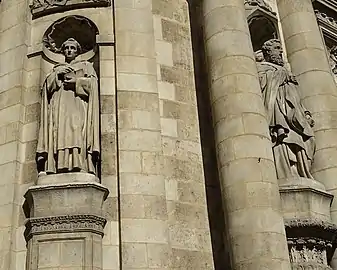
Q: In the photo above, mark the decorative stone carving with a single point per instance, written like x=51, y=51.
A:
x=44, y=7
x=323, y=18
x=333, y=61
x=259, y=3
x=311, y=243
x=64, y=224
x=290, y=124
x=69, y=127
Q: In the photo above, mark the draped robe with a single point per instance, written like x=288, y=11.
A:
x=292, y=136
x=69, y=127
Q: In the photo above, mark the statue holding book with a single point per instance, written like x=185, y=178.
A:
x=69, y=127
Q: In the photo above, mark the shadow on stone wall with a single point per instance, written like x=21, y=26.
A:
x=221, y=250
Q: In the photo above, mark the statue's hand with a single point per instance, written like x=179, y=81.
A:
x=63, y=70
x=69, y=82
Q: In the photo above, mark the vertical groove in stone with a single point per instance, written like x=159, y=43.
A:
x=309, y=62
x=246, y=168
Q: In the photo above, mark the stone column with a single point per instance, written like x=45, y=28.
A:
x=307, y=57
x=245, y=161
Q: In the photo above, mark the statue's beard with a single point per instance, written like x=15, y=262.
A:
x=276, y=59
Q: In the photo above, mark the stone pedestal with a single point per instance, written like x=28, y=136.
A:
x=311, y=235
x=64, y=226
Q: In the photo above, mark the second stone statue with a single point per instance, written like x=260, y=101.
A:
x=290, y=124
x=69, y=127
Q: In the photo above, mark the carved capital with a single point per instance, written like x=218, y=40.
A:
x=64, y=224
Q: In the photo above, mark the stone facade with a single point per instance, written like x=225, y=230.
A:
x=168, y=134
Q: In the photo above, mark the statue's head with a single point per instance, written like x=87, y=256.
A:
x=272, y=51
x=71, y=49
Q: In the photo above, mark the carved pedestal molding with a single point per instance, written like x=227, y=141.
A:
x=311, y=243
x=310, y=234
x=65, y=224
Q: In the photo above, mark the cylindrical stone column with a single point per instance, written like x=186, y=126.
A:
x=249, y=186
x=309, y=62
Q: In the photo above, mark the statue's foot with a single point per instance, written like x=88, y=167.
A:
x=42, y=174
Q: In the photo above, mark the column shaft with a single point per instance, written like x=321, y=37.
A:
x=246, y=168
x=309, y=62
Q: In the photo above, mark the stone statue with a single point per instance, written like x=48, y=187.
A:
x=69, y=127
x=290, y=124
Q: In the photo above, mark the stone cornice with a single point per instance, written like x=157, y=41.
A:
x=312, y=223
x=67, y=186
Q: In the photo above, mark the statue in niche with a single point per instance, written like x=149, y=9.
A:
x=69, y=128
x=290, y=124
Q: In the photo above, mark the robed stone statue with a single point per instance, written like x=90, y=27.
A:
x=290, y=124
x=69, y=128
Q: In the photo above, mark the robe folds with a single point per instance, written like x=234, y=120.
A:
x=291, y=134
x=69, y=126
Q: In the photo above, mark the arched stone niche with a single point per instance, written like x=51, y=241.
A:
x=41, y=8
x=262, y=22
x=78, y=27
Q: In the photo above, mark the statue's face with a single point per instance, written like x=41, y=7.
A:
x=276, y=54
x=70, y=50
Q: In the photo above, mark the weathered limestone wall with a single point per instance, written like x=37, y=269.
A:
x=17, y=129
x=189, y=234
x=246, y=168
